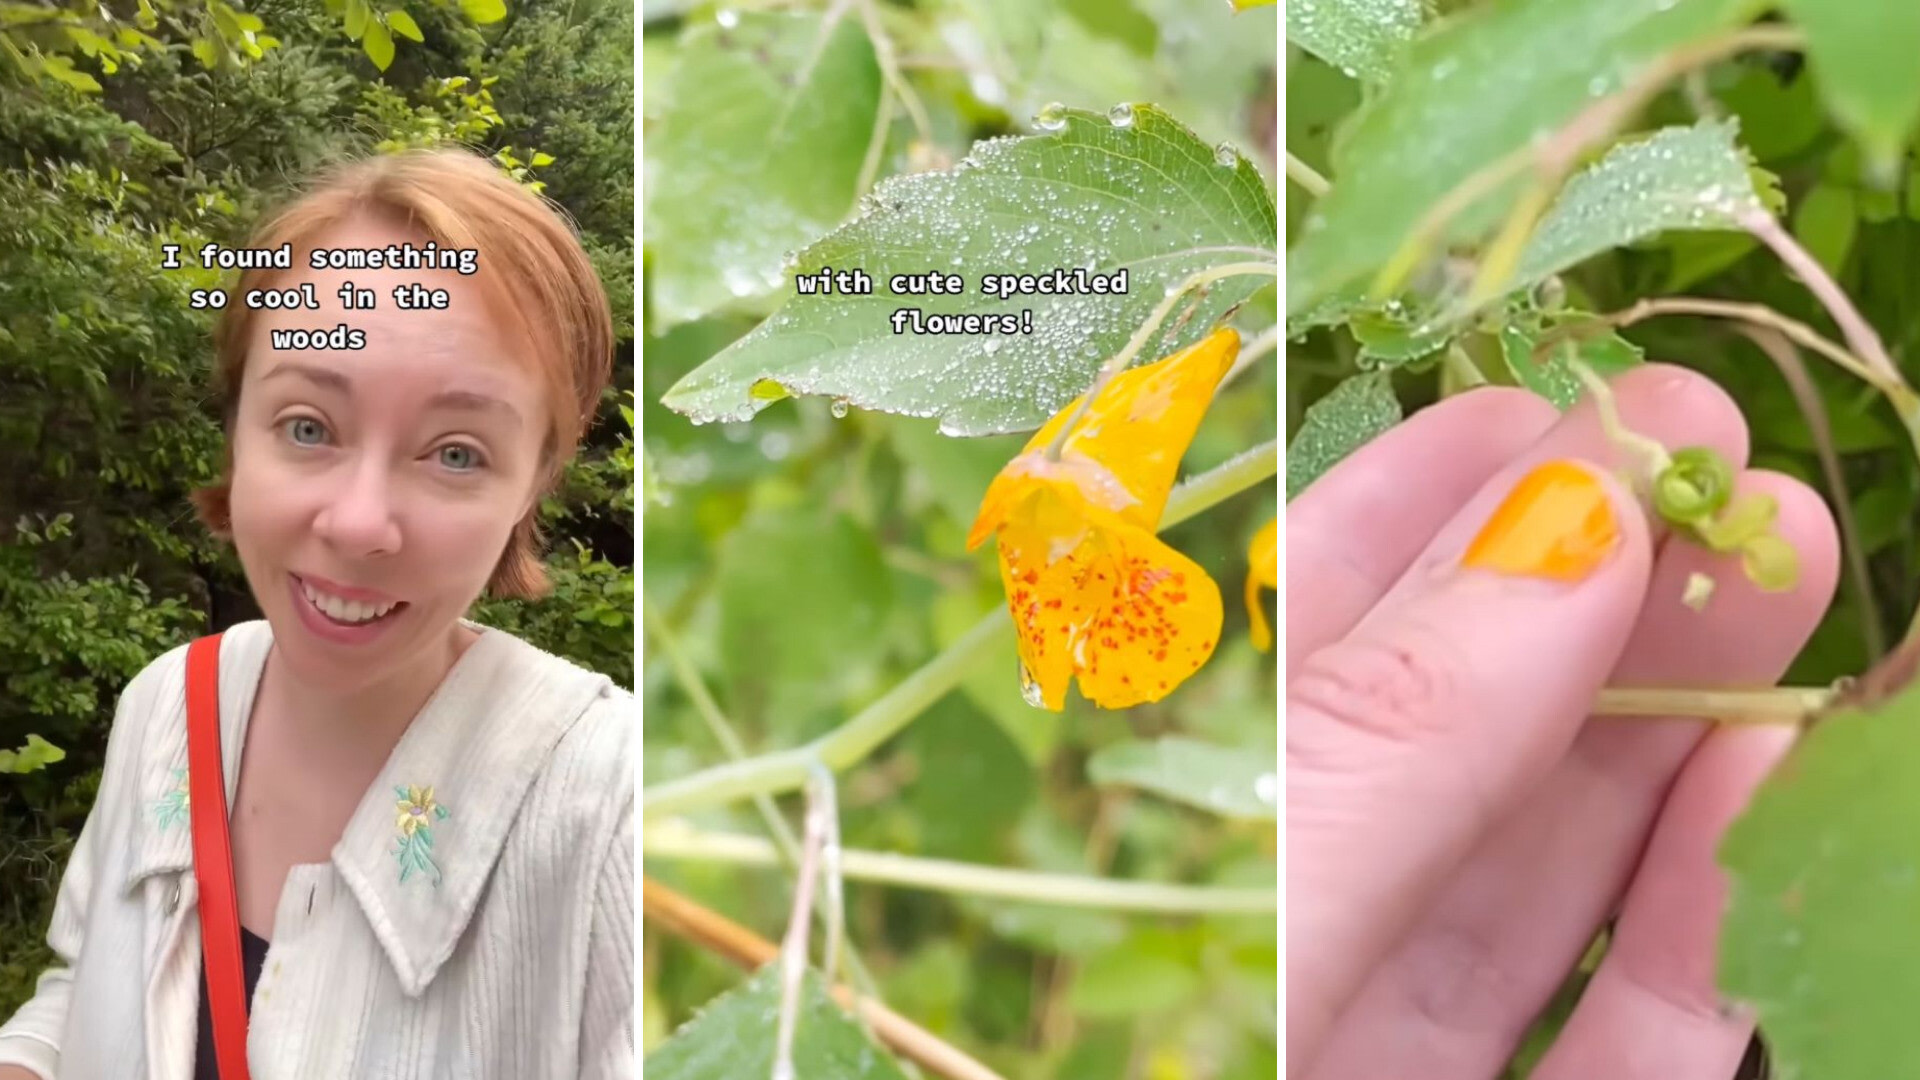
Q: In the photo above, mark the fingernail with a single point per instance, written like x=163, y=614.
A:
x=1557, y=523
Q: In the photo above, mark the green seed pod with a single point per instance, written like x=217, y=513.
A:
x=1696, y=485
x=1745, y=518
x=1771, y=563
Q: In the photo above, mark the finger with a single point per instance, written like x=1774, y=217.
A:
x=1406, y=737
x=1356, y=530
x=1667, y=403
x=1652, y=1009
x=1454, y=998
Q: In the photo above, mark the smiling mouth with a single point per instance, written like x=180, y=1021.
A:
x=347, y=612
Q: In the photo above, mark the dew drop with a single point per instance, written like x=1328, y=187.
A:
x=1030, y=691
x=1121, y=115
x=727, y=18
x=991, y=345
x=1226, y=156
x=1267, y=788
x=1051, y=117
x=839, y=408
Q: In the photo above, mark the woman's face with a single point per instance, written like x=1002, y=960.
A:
x=375, y=489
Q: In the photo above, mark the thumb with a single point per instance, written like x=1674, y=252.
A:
x=1469, y=679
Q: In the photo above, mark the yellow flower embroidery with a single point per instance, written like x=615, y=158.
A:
x=414, y=815
x=1263, y=568
x=1094, y=593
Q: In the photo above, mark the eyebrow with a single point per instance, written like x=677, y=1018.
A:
x=458, y=400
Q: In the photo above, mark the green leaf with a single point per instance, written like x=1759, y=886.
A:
x=1862, y=54
x=1825, y=878
x=1221, y=780
x=541, y=157
x=802, y=597
x=1347, y=418
x=1476, y=89
x=1363, y=38
x=402, y=23
x=484, y=11
x=734, y=1037
x=62, y=69
x=1141, y=976
x=37, y=754
x=1147, y=196
x=358, y=15
x=379, y=45
x=756, y=152
x=1552, y=376
x=1825, y=223
x=1392, y=335
x=1882, y=516
x=1678, y=178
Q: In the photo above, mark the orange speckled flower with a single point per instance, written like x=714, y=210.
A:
x=1093, y=592
x=1263, y=568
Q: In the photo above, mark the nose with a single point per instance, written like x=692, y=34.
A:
x=360, y=520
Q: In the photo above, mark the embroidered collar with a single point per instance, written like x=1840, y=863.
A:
x=419, y=848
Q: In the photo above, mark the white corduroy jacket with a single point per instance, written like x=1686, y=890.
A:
x=490, y=937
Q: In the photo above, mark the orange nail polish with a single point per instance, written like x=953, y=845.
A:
x=1557, y=523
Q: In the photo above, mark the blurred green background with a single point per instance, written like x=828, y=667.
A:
x=106, y=413
x=807, y=563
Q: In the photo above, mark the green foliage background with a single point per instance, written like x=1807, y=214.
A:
x=106, y=416
x=808, y=561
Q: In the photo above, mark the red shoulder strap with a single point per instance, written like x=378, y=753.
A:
x=213, y=860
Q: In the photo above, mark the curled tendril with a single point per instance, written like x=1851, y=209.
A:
x=1694, y=492
x=1696, y=483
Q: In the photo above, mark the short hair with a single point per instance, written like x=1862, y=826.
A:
x=531, y=268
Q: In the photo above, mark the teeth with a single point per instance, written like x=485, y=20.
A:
x=347, y=611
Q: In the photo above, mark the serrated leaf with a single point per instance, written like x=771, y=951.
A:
x=757, y=151
x=1473, y=91
x=1223, y=780
x=1148, y=197
x=734, y=1036
x=1552, y=376
x=1347, y=418
x=1363, y=38
x=484, y=11
x=1825, y=879
x=402, y=23
x=1862, y=55
x=1389, y=336
x=1694, y=177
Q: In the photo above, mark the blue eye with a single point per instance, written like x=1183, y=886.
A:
x=306, y=431
x=459, y=458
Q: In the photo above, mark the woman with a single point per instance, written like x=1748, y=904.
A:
x=432, y=821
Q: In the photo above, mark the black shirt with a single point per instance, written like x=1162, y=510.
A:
x=253, y=956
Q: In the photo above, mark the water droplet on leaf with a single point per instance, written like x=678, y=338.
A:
x=839, y=408
x=727, y=18
x=1121, y=115
x=1226, y=156
x=1051, y=117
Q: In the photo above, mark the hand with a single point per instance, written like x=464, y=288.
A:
x=1457, y=830
x=18, y=1072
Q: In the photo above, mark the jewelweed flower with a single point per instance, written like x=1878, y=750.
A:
x=1263, y=568
x=1094, y=593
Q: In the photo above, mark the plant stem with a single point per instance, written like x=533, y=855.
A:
x=786, y=770
x=787, y=845
x=970, y=879
x=1304, y=174
x=1780, y=705
x=717, y=933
